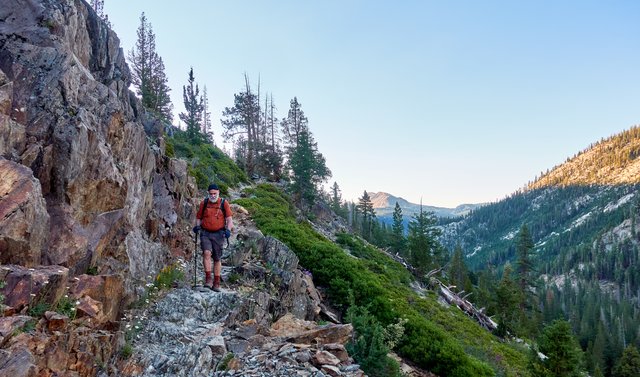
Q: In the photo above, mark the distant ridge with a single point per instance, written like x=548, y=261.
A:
x=611, y=161
x=384, y=204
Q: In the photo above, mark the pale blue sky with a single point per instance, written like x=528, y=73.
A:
x=449, y=101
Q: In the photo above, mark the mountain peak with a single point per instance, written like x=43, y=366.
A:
x=384, y=200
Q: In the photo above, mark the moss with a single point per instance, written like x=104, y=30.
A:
x=439, y=339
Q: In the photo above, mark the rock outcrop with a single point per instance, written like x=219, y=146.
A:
x=80, y=175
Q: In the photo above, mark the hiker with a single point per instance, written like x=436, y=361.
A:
x=214, y=222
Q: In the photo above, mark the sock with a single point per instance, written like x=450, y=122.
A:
x=216, y=280
x=207, y=277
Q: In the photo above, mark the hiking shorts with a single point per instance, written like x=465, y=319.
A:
x=213, y=241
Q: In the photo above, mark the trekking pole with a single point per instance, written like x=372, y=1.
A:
x=195, y=260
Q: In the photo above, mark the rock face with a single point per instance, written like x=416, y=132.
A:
x=24, y=221
x=82, y=184
x=27, y=287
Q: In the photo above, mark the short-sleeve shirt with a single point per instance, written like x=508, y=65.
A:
x=213, y=216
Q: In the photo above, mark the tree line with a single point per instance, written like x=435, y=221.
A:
x=263, y=145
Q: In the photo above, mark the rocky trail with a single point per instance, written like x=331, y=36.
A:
x=261, y=324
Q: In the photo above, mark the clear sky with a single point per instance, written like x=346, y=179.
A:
x=449, y=101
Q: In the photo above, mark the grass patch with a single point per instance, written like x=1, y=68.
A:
x=442, y=340
x=224, y=363
x=126, y=351
x=67, y=307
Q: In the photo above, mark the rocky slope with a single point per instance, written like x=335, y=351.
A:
x=263, y=322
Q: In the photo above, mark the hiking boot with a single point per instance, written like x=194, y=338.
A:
x=216, y=283
x=208, y=283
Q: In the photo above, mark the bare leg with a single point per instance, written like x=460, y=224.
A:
x=217, y=268
x=206, y=261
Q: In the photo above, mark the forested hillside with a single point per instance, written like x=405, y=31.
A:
x=611, y=161
x=582, y=264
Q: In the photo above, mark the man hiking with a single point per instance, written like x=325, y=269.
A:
x=214, y=222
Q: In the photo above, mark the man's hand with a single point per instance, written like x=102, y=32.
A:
x=196, y=229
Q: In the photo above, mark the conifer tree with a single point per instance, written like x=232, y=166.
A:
x=629, y=364
x=308, y=170
x=243, y=119
x=193, y=110
x=98, y=6
x=335, y=202
x=398, y=240
x=424, y=249
x=365, y=207
x=207, y=129
x=336, y=197
x=294, y=124
x=524, y=248
x=270, y=153
x=148, y=73
x=507, y=302
x=562, y=352
x=458, y=271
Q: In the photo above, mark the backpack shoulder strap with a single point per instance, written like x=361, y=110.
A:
x=204, y=208
x=224, y=212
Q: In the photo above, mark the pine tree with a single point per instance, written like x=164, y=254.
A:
x=424, y=249
x=148, y=73
x=98, y=6
x=336, y=201
x=562, y=352
x=271, y=157
x=365, y=207
x=207, y=129
x=507, y=301
x=398, y=240
x=243, y=119
x=294, y=124
x=629, y=364
x=193, y=106
x=308, y=170
x=458, y=271
x=524, y=247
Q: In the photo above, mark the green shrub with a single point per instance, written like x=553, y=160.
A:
x=66, y=307
x=168, y=276
x=126, y=351
x=386, y=295
x=37, y=309
x=207, y=163
x=369, y=346
x=224, y=363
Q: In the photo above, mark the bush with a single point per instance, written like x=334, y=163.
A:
x=207, y=163
x=168, y=276
x=385, y=294
x=370, y=346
